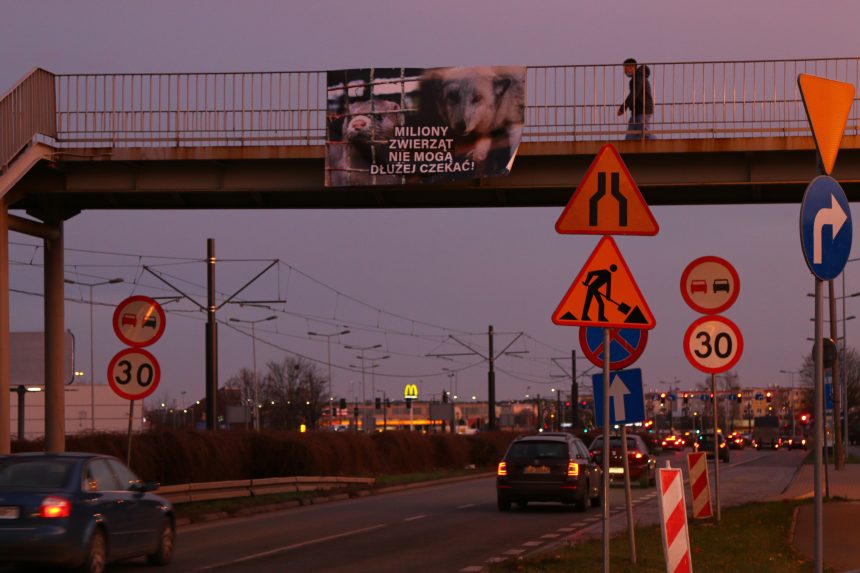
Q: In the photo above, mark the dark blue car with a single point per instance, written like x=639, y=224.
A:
x=80, y=510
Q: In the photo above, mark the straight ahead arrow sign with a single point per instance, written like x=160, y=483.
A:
x=833, y=216
x=617, y=391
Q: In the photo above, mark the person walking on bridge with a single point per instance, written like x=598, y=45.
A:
x=639, y=101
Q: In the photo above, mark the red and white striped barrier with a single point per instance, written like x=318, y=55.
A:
x=699, y=485
x=673, y=521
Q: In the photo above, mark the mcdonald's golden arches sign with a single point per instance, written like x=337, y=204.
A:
x=410, y=392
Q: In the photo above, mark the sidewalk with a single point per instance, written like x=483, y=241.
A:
x=841, y=518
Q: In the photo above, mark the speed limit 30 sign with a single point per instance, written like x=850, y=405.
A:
x=134, y=373
x=713, y=344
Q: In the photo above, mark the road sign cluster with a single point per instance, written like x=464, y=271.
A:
x=712, y=343
x=134, y=373
x=604, y=295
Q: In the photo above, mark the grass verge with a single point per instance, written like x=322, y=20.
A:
x=751, y=538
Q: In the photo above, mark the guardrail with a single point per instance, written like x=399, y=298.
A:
x=692, y=100
x=188, y=492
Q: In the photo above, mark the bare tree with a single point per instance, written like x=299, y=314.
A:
x=294, y=393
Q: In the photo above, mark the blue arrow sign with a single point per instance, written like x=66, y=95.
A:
x=825, y=228
x=626, y=398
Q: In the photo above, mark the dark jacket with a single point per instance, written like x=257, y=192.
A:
x=639, y=100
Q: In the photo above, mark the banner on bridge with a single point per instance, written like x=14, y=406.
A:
x=397, y=126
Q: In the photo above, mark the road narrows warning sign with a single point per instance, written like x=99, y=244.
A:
x=604, y=294
x=607, y=201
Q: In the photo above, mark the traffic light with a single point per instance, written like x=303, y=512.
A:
x=686, y=398
x=387, y=403
x=444, y=397
x=333, y=411
x=804, y=419
x=662, y=399
x=378, y=403
x=740, y=398
x=343, y=403
x=768, y=396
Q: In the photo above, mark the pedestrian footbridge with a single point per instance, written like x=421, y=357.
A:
x=725, y=132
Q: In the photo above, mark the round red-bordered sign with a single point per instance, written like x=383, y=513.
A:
x=134, y=373
x=710, y=285
x=626, y=345
x=139, y=321
x=713, y=344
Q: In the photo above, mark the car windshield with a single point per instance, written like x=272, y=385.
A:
x=35, y=473
x=532, y=450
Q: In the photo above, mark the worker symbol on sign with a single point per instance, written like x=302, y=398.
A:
x=594, y=280
x=605, y=277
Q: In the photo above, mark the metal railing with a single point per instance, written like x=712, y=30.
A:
x=692, y=100
x=204, y=491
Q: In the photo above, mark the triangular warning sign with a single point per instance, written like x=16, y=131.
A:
x=827, y=104
x=607, y=201
x=604, y=294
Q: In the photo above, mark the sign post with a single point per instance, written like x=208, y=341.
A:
x=828, y=104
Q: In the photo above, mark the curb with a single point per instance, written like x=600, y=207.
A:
x=284, y=505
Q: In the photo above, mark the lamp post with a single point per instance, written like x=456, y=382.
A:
x=257, y=405
x=362, y=350
x=328, y=344
x=373, y=372
x=92, y=352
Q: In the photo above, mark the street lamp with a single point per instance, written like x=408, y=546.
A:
x=253, y=323
x=92, y=360
x=362, y=349
x=328, y=343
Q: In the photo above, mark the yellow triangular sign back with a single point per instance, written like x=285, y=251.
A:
x=827, y=104
x=604, y=294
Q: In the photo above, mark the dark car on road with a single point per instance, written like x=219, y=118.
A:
x=705, y=443
x=794, y=442
x=548, y=467
x=80, y=510
x=642, y=464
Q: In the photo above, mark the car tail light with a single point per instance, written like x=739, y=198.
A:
x=55, y=507
x=572, y=469
x=636, y=455
x=503, y=469
x=722, y=444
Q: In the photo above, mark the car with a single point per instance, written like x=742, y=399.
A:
x=794, y=443
x=721, y=285
x=698, y=286
x=80, y=510
x=705, y=443
x=550, y=466
x=736, y=441
x=673, y=442
x=642, y=464
x=129, y=319
x=150, y=322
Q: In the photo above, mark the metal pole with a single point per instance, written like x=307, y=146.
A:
x=574, y=393
x=130, y=420
x=838, y=454
x=606, y=427
x=5, y=402
x=257, y=409
x=819, y=430
x=92, y=372
x=716, y=447
x=21, y=391
x=558, y=411
x=491, y=386
x=628, y=495
x=211, y=341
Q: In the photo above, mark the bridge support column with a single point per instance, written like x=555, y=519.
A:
x=5, y=402
x=55, y=400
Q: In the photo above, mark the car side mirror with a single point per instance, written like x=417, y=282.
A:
x=144, y=486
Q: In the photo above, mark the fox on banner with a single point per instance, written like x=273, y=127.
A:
x=397, y=126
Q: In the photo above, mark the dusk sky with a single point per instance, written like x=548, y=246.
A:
x=407, y=279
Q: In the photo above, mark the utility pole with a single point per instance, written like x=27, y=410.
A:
x=211, y=340
x=491, y=386
x=838, y=452
x=574, y=393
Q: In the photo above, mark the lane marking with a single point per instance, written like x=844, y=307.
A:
x=414, y=517
x=532, y=543
x=291, y=547
x=472, y=569
x=550, y=536
x=467, y=506
x=566, y=529
x=514, y=552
